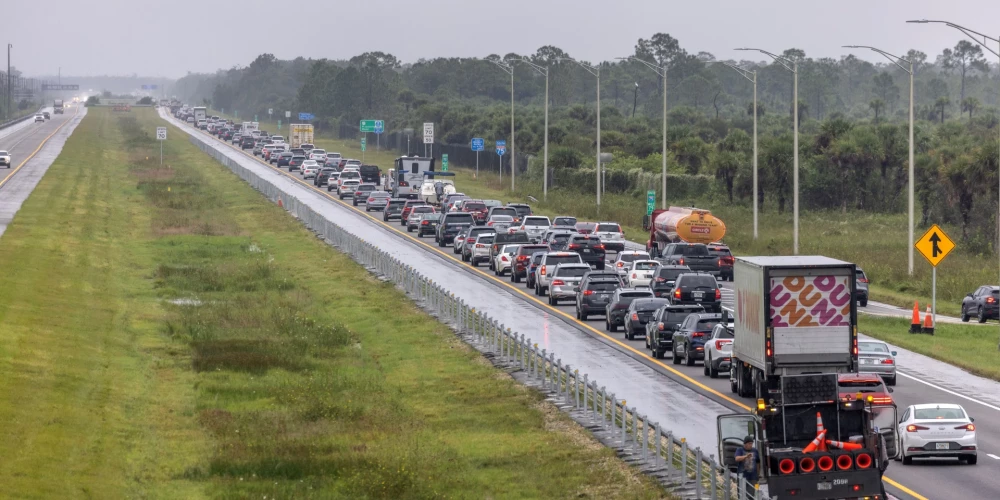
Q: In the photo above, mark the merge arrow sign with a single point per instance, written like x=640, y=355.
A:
x=934, y=245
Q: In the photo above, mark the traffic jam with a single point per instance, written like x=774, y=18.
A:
x=741, y=327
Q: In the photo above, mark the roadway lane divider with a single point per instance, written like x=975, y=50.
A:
x=619, y=425
x=314, y=221
x=33, y=153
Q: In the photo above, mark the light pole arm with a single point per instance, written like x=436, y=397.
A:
x=783, y=61
x=590, y=69
x=969, y=33
x=659, y=70
x=892, y=58
x=543, y=70
x=502, y=65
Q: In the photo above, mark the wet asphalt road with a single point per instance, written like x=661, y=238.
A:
x=33, y=147
x=679, y=397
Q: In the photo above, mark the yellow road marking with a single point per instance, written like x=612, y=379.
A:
x=33, y=153
x=529, y=297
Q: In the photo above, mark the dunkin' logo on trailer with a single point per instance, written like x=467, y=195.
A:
x=808, y=301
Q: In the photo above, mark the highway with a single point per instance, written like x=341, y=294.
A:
x=693, y=396
x=33, y=147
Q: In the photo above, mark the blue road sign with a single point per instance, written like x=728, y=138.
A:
x=306, y=116
x=501, y=147
x=478, y=144
x=379, y=126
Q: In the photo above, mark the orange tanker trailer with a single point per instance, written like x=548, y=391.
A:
x=688, y=224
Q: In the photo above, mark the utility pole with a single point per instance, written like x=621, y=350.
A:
x=7, y=117
x=545, y=161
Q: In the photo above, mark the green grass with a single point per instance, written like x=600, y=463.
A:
x=168, y=332
x=971, y=347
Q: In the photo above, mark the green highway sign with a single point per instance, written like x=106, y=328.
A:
x=444, y=163
x=364, y=144
x=367, y=125
x=279, y=124
x=650, y=202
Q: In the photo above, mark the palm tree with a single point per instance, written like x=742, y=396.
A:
x=970, y=104
x=877, y=105
x=941, y=103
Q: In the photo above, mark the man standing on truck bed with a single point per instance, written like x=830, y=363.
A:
x=747, y=459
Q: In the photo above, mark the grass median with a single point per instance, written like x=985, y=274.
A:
x=167, y=332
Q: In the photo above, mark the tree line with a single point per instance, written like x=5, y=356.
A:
x=852, y=116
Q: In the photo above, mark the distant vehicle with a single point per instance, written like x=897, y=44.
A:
x=639, y=312
x=470, y=235
x=407, y=208
x=868, y=384
x=393, y=209
x=594, y=293
x=361, y=193
x=874, y=356
x=984, y=304
x=295, y=163
x=937, y=430
x=521, y=260
x=611, y=235
x=666, y=276
x=681, y=224
x=563, y=281
x=548, y=263
x=39, y=118
x=4, y=159
x=300, y=133
x=564, y=222
x=861, y=287
x=585, y=227
x=347, y=188
x=323, y=176
x=57, y=106
x=503, y=258
x=624, y=259
x=660, y=329
x=247, y=142
x=480, y=248
x=641, y=274
x=590, y=249
x=199, y=114
x=719, y=350
x=428, y=224
x=726, y=260
x=377, y=200
x=413, y=220
x=697, y=288
x=614, y=315
x=309, y=169
x=500, y=223
x=534, y=226
x=436, y=187
x=319, y=155
x=450, y=225
x=689, y=339
x=693, y=255
x=503, y=239
x=283, y=159
x=409, y=172
x=46, y=115
x=370, y=173
x=521, y=209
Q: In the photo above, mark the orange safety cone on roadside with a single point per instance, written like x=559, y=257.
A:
x=844, y=446
x=814, y=445
x=915, y=324
x=820, y=430
x=928, y=322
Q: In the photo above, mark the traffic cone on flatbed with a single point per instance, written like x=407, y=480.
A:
x=915, y=324
x=928, y=322
x=814, y=445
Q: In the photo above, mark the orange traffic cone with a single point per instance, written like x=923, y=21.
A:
x=915, y=324
x=820, y=430
x=814, y=445
x=844, y=446
x=928, y=322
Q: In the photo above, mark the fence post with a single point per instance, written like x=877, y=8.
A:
x=645, y=438
x=557, y=372
x=576, y=388
x=585, y=383
x=624, y=424
x=658, y=437
x=714, y=480
x=697, y=471
x=544, y=373
x=684, y=456
x=670, y=451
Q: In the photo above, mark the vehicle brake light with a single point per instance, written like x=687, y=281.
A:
x=423, y=223
x=574, y=246
x=371, y=200
x=718, y=294
x=599, y=246
x=542, y=271
x=720, y=263
x=968, y=427
x=620, y=264
x=767, y=348
x=855, y=348
x=990, y=300
x=887, y=361
x=681, y=262
x=863, y=280
x=677, y=294
x=697, y=335
x=503, y=258
x=480, y=246
x=522, y=258
x=588, y=292
x=635, y=317
x=558, y=282
x=633, y=276
x=403, y=183
x=720, y=343
x=915, y=428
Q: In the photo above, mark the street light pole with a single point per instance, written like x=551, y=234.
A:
x=969, y=33
x=597, y=73
x=895, y=60
x=7, y=110
x=662, y=72
x=509, y=68
x=794, y=68
x=751, y=76
x=545, y=157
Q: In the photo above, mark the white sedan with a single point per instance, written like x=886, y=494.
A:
x=504, y=258
x=309, y=169
x=937, y=430
x=641, y=273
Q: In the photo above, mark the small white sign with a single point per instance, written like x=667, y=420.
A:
x=161, y=133
x=428, y=133
x=270, y=111
x=288, y=114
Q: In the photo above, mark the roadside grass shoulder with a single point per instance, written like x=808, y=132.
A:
x=318, y=380
x=971, y=347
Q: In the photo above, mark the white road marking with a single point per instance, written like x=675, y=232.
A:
x=953, y=393
x=994, y=457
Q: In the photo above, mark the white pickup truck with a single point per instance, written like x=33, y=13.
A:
x=4, y=159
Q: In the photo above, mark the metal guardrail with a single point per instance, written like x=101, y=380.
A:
x=658, y=452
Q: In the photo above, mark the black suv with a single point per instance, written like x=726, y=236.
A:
x=283, y=159
x=694, y=255
x=522, y=261
x=614, y=315
x=984, y=303
x=323, y=176
x=666, y=276
x=689, y=339
x=639, y=312
x=296, y=163
x=697, y=288
x=660, y=329
x=451, y=224
x=247, y=142
x=393, y=209
x=590, y=248
x=594, y=293
x=726, y=260
x=502, y=239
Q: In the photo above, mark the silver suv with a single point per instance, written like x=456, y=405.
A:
x=564, y=279
x=611, y=235
x=543, y=276
x=535, y=226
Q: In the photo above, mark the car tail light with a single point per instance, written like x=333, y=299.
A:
x=633, y=276
x=718, y=294
x=599, y=246
x=677, y=294
x=767, y=348
x=480, y=245
x=490, y=223
x=504, y=258
x=635, y=317
x=371, y=200
x=887, y=361
x=681, y=262
x=620, y=264
x=697, y=335
x=558, y=282
x=915, y=428
x=720, y=343
x=403, y=183
x=522, y=258
x=990, y=300
x=542, y=271
x=424, y=223
x=968, y=427
x=720, y=263
x=863, y=280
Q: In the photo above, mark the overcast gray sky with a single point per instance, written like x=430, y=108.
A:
x=170, y=38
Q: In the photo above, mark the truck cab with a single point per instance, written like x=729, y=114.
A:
x=813, y=446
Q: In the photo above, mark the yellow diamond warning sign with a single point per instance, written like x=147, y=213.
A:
x=934, y=245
